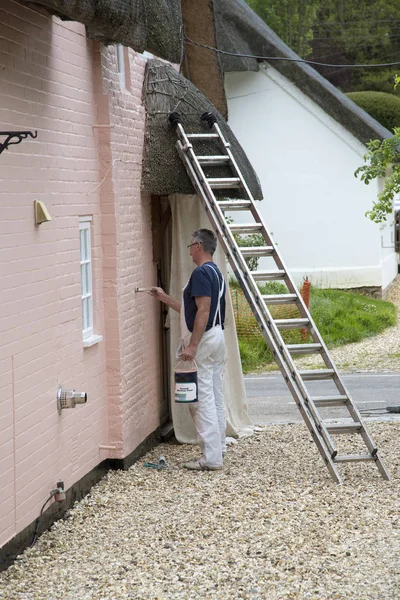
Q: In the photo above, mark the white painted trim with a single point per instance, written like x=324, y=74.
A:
x=86, y=261
x=91, y=341
x=121, y=66
x=84, y=219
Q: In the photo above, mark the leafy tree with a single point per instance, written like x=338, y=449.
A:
x=292, y=20
x=357, y=32
x=383, y=158
x=340, y=32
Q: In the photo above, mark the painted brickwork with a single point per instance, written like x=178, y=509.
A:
x=56, y=81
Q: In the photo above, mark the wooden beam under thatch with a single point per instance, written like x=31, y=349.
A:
x=166, y=91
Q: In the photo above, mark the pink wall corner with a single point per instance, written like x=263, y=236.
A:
x=56, y=81
x=138, y=320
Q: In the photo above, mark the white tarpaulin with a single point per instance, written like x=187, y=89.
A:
x=187, y=216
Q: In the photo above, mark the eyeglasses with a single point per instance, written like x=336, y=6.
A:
x=192, y=244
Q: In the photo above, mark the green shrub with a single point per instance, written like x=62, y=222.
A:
x=383, y=107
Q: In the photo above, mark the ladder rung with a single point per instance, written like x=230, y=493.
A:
x=304, y=348
x=219, y=183
x=246, y=228
x=202, y=136
x=325, y=401
x=213, y=161
x=257, y=251
x=268, y=276
x=291, y=323
x=234, y=204
x=280, y=299
x=354, y=458
x=317, y=374
x=343, y=427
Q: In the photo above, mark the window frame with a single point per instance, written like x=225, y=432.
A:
x=86, y=273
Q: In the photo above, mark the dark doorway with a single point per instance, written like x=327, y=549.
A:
x=162, y=237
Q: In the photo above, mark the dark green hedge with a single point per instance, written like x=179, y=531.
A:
x=383, y=107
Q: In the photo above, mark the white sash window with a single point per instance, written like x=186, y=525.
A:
x=86, y=277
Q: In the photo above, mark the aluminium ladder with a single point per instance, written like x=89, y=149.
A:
x=321, y=429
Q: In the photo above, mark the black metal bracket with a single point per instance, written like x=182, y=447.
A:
x=20, y=135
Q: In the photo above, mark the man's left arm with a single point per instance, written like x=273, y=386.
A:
x=203, y=304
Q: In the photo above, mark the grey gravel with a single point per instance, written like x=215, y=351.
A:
x=272, y=525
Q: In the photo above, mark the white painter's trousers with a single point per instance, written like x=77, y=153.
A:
x=208, y=413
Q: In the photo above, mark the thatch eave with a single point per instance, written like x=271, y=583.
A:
x=152, y=25
x=166, y=91
x=240, y=30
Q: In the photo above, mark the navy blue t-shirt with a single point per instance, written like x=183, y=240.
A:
x=204, y=281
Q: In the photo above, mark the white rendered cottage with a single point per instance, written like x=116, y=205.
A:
x=305, y=139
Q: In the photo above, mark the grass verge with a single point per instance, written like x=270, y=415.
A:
x=341, y=317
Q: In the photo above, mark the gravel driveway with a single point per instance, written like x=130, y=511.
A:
x=271, y=526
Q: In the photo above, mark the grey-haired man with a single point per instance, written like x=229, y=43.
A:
x=202, y=313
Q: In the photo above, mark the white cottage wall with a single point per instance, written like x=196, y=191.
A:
x=313, y=204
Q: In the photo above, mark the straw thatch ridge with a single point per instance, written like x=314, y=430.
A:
x=241, y=31
x=152, y=25
x=167, y=91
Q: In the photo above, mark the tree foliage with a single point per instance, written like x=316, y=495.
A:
x=340, y=32
x=382, y=159
x=292, y=20
x=358, y=32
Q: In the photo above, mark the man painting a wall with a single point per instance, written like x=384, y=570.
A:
x=202, y=312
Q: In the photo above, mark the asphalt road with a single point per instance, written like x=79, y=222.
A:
x=269, y=400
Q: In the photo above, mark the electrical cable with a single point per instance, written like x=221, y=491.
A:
x=281, y=58
x=35, y=535
x=183, y=48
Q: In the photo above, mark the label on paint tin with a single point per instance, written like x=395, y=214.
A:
x=185, y=392
x=186, y=387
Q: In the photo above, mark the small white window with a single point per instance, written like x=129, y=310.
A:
x=121, y=66
x=86, y=277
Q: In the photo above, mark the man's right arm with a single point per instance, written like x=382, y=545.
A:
x=159, y=293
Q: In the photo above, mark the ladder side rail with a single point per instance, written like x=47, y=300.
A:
x=304, y=311
x=191, y=158
x=303, y=407
x=316, y=336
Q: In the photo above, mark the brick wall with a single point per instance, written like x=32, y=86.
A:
x=56, y=81
x=138, y=314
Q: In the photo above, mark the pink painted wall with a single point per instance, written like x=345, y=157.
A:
x=56, y=81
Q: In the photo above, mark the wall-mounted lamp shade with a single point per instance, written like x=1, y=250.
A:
x=41, y=213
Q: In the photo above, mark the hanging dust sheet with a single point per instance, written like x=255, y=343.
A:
x=187, y=216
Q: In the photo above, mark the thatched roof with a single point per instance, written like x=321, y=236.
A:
x=166, y=91
x=152, y=25
x=241, y=31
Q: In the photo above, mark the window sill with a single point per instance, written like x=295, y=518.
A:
x=92, y=340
